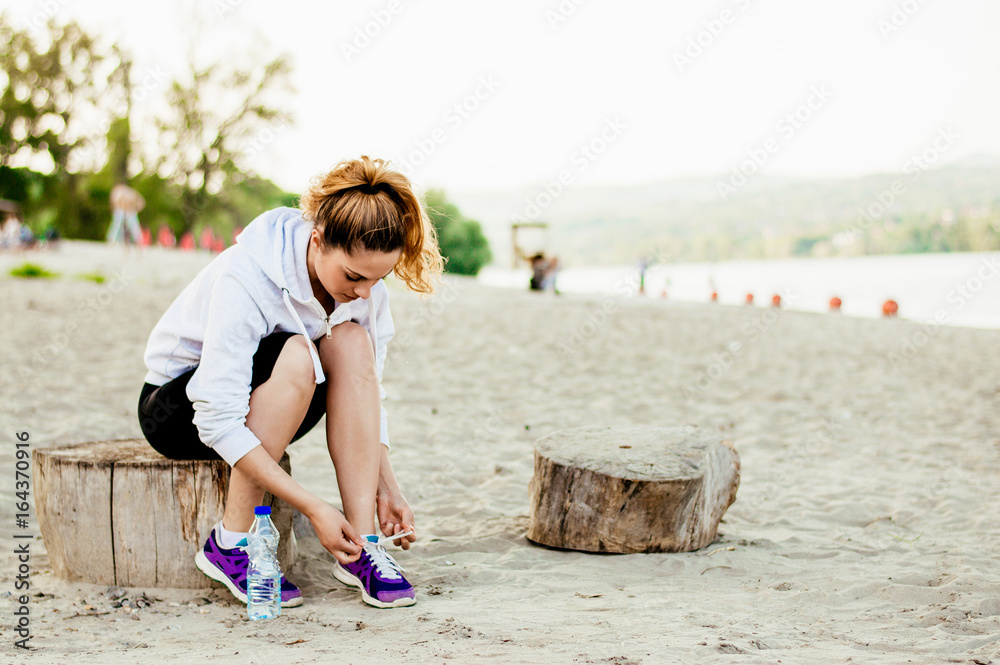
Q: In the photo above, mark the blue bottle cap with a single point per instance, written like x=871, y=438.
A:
x=262, y=510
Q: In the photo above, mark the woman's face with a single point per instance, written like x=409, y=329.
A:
x=347, y=276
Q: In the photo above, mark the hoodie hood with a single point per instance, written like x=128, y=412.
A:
x=277, y=241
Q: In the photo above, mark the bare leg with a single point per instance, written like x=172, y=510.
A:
x=353, y=420
x=277, y=408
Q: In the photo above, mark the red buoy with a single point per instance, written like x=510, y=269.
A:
x=147, y=237
x=207, y=238
x=890, y=308
x=187, y=241
x=835, y=304
x=165, y=237
x=715, y=296
x=775, y=300
x=749, y=298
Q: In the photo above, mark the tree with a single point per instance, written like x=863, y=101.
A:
x=460, y=239
x=215, y=115
x=49, y=87
x=55, y=95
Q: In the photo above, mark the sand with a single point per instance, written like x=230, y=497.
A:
x=865, y=528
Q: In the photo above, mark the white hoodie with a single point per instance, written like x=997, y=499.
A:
x=254, y=288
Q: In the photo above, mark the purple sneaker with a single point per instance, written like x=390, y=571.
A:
x=230, y=568
x=378, y=576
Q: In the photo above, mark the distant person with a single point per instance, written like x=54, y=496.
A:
x=16, y=234
x=126, y=204
x=28, y=240
x=550, y=275
x=50, y=237
x=12, y=232
x=543, y=272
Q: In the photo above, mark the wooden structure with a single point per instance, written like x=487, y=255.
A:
x=10, y=208
x=517, y=252
x=117, y=512
x=631, y=489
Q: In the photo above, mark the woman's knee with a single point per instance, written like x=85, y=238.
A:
x=347, y=339
x=294, y=365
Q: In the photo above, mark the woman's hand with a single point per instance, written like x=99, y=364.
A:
x=395, y=516
x=335, y=533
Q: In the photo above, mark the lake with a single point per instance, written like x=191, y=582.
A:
x=960, y=289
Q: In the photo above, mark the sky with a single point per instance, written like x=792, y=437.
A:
x=487, y=96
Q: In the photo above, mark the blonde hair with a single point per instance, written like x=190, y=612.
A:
x=362, y=204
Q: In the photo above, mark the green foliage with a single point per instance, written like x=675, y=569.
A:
x=220, y=118
x=119, y=151
x=49, y=83
x=804, y=246
x=95, y=277
x=22, y=185
x=60, y=86
x=461, y=240
x=32, y=270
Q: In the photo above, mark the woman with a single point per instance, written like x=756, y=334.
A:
x=290, y=323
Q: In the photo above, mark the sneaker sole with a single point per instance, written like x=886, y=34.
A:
x=352, y=581
x=206, y=567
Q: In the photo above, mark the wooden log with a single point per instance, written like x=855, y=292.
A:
x=117, y=512
x=631, y=489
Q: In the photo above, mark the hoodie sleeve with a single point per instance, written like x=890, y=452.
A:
x=220, y=388
x=385, y=329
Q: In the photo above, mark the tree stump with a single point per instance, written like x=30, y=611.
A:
x=118, y=512
x=631, y=489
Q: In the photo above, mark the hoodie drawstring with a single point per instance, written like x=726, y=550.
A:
x=317, y=366
x=372, y=327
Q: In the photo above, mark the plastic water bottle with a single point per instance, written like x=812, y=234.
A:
x=263, y=572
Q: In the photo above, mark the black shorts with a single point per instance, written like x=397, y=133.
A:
x=166, y=415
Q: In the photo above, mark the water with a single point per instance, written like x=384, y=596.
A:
x=961, y=289
x=263, y=572
x=264, y=597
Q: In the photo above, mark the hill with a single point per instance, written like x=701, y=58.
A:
x=952, y=208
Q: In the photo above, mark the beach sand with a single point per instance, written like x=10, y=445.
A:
x=865, y=529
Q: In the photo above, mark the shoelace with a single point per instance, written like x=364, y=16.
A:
x=384, y=564
x=387, y=539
